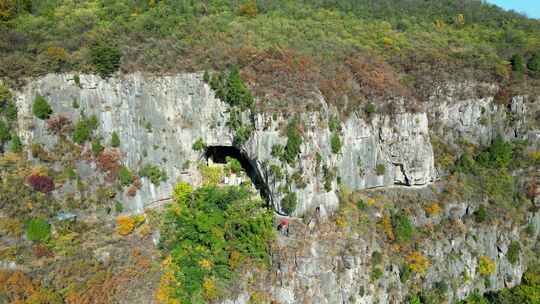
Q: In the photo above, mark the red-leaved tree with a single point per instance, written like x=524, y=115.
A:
x=41, y=183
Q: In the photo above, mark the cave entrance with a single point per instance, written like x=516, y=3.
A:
x=219, y=154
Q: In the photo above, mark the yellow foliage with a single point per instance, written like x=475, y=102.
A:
x=9, y=158
x=11, y=226
x=341, y=222
x=7, y=9
x=206, y=264
x=387, y=42
x=167, y=283
x=418, y=262
x=57, y=53
x=486, y=266
x=535, y=155
x=502, y=69
x=39, y=170
x=182, y=191
x=234, y=259
x=248, y=9
x=439, y=24
x=209, y=289
x=211, y=175
x=387, y=226
x=460, y=20
x=165, y=291
x=370, y=202
x=433, y=210
x=125, y=225
x=145, y=230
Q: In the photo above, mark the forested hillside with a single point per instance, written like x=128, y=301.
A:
x=284, y=48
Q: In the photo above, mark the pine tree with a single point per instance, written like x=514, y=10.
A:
x=237, y=92
x=517, y=63
x=534, y=65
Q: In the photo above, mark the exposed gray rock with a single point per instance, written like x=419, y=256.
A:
x=159, y=118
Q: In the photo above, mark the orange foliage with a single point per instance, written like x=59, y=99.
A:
x=375, y=77
x=248, y=9
x=16, y=286
x=109, y=161
x=418, y=262
x=433, y=210
x=387, y=226
x=125, y=225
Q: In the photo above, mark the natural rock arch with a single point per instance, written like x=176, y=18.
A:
x=218, y=154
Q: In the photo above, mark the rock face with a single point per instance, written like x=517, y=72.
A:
x=159, y=118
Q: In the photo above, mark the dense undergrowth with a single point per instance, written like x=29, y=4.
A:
x=360, y=49
x=528, y=292
x=211, y=234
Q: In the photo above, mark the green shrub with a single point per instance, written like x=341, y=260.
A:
x=16, y=144
x=199, y=145
x=333, y=124
x=361, y=205
x=294, y=141
x=481, y=214
x=206, y=76
x=5, y=95
x=513, y=252
x=289, y=202
x=118, y=207
x=335, y=143
x=37, y=229
x=376, y=258
x=83, y=129
x=106, y=59
x=380, y=169
x=10, y=111
x=115, y=140
x=77, y=80
x=414, y=300
x=5, y=133
x=299, y=180
x=405, y=273
x=518, y=64
x=370, y=109
x=124, y=176
x=376, y=274
x=234, y=165
x=534, y=65
x=97, y=147
x=237, y=92
x=211, y=232
x=403, y=228
x=276, y=172
x=242, y=134
x=155, y=174
x=329, y=174
x=41, y=108
x=498, y=155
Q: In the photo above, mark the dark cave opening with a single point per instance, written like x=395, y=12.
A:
x=219, y=154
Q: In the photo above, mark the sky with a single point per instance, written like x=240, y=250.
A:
x=531, y=8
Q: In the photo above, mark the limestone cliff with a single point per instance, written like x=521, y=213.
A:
x=159, y=118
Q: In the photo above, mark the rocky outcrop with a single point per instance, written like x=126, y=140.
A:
x=325, y=264
x=159, y=118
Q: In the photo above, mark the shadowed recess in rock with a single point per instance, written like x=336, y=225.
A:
x=219, y=154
